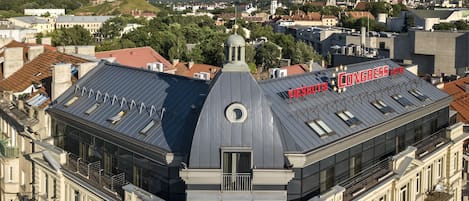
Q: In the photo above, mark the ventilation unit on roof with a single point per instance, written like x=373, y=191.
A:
x=202, y=76
x=277, y=73
x=155, y=66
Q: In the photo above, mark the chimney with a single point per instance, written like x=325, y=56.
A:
x=34, y=51
x=85, y=50
x=175, y=62
x=84, y=68
x=61, y=79
x=191, y=63
x=46, y=41
x=13, y=61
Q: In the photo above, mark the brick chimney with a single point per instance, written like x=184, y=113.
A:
x=34, y=51
x=13, y=61
x=84, y=68
x=61, y=79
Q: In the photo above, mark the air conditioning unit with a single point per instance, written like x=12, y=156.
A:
x=155, y=66
x=204, y=76
x=277, y=73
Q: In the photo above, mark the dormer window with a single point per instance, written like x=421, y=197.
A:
x=382, y=107
x=417, y=94
x=115, y=119
x=401, y=100
x=71, y=101
x=92, y=108
x=348, y=118
x=319, y=127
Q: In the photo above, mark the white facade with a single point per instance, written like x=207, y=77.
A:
x=42, y=12
x=18, y=34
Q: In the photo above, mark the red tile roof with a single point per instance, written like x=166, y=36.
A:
x=460, y=98
x=136, y=57
x=38, y=70
x=301, y=16
x=360, y=14
x=296, y=69
x=361, y=5
x=182, y=68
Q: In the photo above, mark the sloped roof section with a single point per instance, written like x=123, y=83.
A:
x=136, y=57
x=459, y=89
x=172, y=102
x=295, y=113
x=422, y=14
x=183, y=68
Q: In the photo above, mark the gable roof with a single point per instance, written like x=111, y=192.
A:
x=32, y=19
x=37, y=70
x=460, y=97
x=359, y=14
x=361, y=5
x=137, y=57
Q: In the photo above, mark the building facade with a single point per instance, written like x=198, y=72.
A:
x=90, y=23
x=368, y=131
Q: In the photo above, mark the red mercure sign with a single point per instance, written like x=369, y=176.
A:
x=348, y=79
x=307, y=90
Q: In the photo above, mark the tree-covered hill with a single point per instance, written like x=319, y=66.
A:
x=16, y=7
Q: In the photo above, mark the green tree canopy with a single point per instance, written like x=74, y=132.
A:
x=75, y=35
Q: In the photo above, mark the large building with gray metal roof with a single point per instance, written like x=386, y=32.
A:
x=348, y=133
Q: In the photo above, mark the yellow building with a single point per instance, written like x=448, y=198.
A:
x=41, y=24
x=90, y=23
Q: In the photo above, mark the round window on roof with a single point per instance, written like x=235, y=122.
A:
x=236, y=113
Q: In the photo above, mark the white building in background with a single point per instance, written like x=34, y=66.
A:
x=273, y=6
x=43, y=12
x=17, y=33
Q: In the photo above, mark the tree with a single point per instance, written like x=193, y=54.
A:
x=307, y=8
x=76, y=35
x=304, y=53
x=331, y=10
x=461, y=25
x=281, y=11
x=378, y=7
x=267, y=56
x=444, y=26
x=113, y=27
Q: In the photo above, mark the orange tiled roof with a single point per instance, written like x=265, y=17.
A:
x=296, y=69
x=329, y=17
x=361, y=5
x=136, y=57
x=460, y=98
x=300, y=16
x=183, y=69
x=360, y=14
x=38, y=70
x=15, y=43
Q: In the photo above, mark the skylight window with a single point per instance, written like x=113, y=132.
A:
x=319, y=127
x=117, y=117
x=401, y=100
x=348, y=118
x=150, y=125
x=92, y=108
x=71, y=101
x=418, y=95
x=382, y=107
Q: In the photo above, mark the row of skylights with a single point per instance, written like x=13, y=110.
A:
x=418, y=95
x=382, y=107
x=319, y=127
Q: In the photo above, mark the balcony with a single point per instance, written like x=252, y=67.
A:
x=438, y=196
x=366, y=179
x=92, y=174
x=9, y=152
x=431, y=143
x=236, y=182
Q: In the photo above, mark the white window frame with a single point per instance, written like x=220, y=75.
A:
x=455, y=161
x=319, y=127
x=440, y=167
x=404, y=189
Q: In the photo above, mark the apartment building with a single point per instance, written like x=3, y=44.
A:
x=368, y=131
x=41, y=24
x=32, y=76
x=90, y=23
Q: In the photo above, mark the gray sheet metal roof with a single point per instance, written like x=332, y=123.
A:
x=180, y=97
x=294, y=113
x=82, y=19
x=32, y=20
x=259, y=131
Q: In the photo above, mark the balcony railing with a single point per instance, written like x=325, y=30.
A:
x=94, y=175
x=431, y=143
x=10, y=152
x=366, y=179
x=236, y=182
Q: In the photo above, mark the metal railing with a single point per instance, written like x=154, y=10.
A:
x=94, y=175
x=236, y=182
x=10, y=152
x=430, y=143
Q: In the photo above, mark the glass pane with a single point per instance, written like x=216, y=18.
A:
x=316, y=128
x=324, y=126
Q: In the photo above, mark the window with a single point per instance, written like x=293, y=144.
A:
x=455, y=161
x=429, y=177
x=23, y=182
x=1, y=170
x=46, y=185
x=348, y=118
x=11, y=174
x=418, y=95
x=382, y=107
x=92, y=108
x=404, y=194
x=236, y=162
x=71, y=101
x=382, y=45
x=117, y=117
x=54, y=188
x=401, y=100
x=23, y=144
x=149, y=126
x=382, y=198
x=319, y=127
x=440, y=167
x=417, y=183
x=76, y=197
